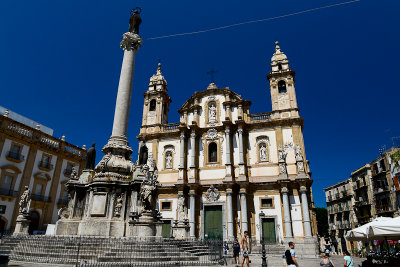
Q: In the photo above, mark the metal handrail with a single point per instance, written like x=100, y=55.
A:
x=46, y=165
x=14, y=155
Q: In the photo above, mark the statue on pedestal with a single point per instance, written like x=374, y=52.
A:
x=135, y=20
x=143, y=153
x=25, y=201
x=91, y=158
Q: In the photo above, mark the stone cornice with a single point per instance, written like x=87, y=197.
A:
x=22, y=133
x=280, y=74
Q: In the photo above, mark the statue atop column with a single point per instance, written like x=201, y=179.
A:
x=135, y=20
x=91, y=158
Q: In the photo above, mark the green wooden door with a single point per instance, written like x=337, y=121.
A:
x=213, y=222
x=268, y=230
x=166, y=229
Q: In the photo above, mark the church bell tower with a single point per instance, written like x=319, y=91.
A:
x=156, y=100
x=281, y=81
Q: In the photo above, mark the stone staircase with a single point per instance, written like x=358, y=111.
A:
x=98, y=251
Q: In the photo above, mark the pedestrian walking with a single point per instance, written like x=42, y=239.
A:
x=245, y=249
x=290, y=256
x=348, y=260
x=236, y=251
x=326, y=261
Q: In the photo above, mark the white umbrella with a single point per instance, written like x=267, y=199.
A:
x=388, y=229
x=360, y=233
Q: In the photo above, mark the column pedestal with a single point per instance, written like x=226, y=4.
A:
x=22, y=225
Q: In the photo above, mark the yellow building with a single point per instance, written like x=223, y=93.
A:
x=31, y=156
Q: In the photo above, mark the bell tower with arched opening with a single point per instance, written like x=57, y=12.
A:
x=156, y=100
x=281, y=81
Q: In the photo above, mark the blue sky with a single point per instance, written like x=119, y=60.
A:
x=60, y=65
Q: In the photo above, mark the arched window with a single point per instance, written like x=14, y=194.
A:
x=282, y=87
x=279, y=67
x=153, y=105
x=212, y=152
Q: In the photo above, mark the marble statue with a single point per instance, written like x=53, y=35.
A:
x=212, y=113
x=282, y=168
x=168, y=161
x=143, y=154
x=282, y=154
x=151, y=162
x=25, y=201
x=181, y=208
x=263, y=153
x=135, y=20
x=118, y=206
x=146, y=196
x=91, y=157
x=299, y=156
x=74, y=174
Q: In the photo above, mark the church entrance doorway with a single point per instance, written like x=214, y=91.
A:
x=213, y=222
x=268, y=230
x=166, y=229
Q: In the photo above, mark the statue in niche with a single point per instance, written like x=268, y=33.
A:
x=168, y=160
x=212, y=113
x=118, y=206
x=282, y=154
x=299, y=156
x=143, y=153
x=91, y=158
x=263, y=152
x=181, y=208
x=25, y=201
x=135, y=20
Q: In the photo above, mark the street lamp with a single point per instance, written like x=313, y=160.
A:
x=263, y=257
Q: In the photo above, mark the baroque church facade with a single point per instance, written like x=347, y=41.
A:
x=223, y=170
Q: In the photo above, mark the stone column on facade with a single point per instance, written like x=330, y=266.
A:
x=193, y=149
x=230, y=213
x=286, y=211
x=228, y=146
x=192, y=215
x=243, y=208
x=306, y=212
x=241, y=152
x=182, y=151
x=118, y=143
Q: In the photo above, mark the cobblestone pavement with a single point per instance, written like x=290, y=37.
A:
x=255, y=261
x=279, y=262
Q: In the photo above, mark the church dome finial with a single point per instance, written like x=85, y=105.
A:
x=158, y=78
x=278, y=55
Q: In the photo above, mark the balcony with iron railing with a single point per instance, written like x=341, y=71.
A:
x=8, y=192
x=383, y=208
x=45, y=165
x=329, y=199
x=381, y=189
x=40, y=198
x=13, y=156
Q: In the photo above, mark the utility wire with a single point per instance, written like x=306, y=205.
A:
x=252, y=21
